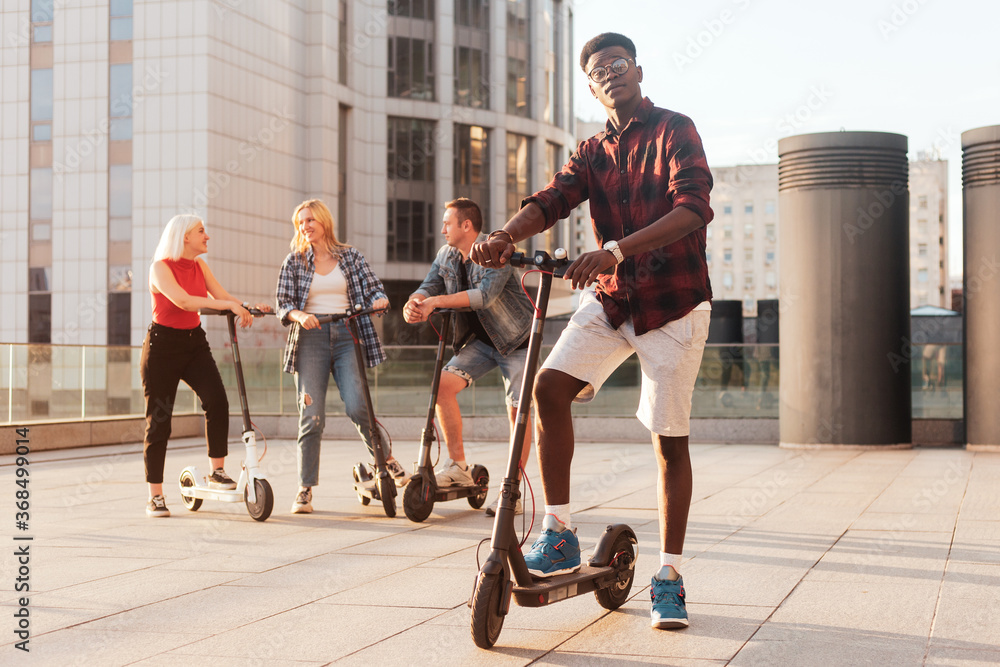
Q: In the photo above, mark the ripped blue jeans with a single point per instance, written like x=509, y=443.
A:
x=328, y=349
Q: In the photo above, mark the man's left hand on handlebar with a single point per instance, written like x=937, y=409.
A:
x=584, y=271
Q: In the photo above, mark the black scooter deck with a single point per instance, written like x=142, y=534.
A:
x=542, y=592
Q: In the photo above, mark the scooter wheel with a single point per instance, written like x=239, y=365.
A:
x=261, y=509
x=387, y=491
x=481, y=477
x=487, y=607
x=193, y=504
x=416, y=508
x=363, y=499
x=623, y=561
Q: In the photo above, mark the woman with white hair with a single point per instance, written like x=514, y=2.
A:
x=176, y=349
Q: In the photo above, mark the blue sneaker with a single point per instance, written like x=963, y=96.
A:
x=669, y=610
x=554, y=553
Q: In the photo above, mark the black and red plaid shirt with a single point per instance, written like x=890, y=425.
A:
x=633, y=180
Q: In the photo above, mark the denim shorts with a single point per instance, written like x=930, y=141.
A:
x=476, y=359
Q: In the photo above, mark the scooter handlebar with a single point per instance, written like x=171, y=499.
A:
x=216, y=311
x=557, y=263
x=357, y=310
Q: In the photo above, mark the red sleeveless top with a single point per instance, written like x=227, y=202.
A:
x=190, y=277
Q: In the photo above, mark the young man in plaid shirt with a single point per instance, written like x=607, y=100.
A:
x=648, y=184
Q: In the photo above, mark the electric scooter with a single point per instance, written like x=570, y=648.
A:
x=377, y=484
x=422, y=491
x=251, y=488
x=611, y=568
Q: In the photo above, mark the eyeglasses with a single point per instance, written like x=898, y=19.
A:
x=600, y=74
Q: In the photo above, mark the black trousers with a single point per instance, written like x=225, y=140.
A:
x=169, y=356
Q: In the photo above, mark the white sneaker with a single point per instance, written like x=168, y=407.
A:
x=492, y=509
x=452, y=475
x=303, y=501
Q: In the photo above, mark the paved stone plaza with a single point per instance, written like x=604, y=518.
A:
x=793, y=558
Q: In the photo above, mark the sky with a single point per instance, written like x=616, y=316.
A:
x=750, y=72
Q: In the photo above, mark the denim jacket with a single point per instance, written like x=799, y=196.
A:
x=495, y=295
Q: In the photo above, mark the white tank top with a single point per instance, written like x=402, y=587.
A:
x=327, y=294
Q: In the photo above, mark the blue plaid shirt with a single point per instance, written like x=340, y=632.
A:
x=363, y=286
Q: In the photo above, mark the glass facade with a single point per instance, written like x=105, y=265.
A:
x=518, y=58
x=472, y=166
x=411, y=228
x=472, y=54
x=518, y=171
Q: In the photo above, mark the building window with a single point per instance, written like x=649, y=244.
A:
x=922, y=276
x=472, y=164
x=727, y=280
x=922, y=250
x=119, y=318
x=748, y=281
x=771, y=279
x=472, y=87
x=40, y=193
x=708, y=257
x=922, y=227
x=39, y=280
x=120, y=191
x=41, y=94
x=518, y=171
x=708, y=233
x=727, y=255
x=748, y=303
x=748, y=255
x=411, y=231
x=727, y=231
x=472, y=54
x=473, y=13
x=41, y=21
x=769, y=257
x=120, y=92
x=553, y=110
x=770, y=207
x=417, y=9
x=727, y=209
x=39, y=318
x=120, y=278
x=518, y=57
x=748, y=230
x=342, y=40
x=770, y=233
x=411, y=72
x=121, y=20
x=922, y=202
x=748, y=208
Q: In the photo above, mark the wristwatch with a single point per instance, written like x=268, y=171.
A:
x=612, y=247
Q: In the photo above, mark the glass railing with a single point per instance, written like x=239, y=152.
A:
x=63, y=382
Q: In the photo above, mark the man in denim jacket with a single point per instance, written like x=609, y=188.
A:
x=493, y=334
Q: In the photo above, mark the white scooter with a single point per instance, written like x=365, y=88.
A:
x=251, y=488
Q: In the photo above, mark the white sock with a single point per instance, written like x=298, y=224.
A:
x=556, y=515
x=669, y=562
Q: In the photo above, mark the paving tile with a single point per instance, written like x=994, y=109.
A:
x=569, y=658
x=82, y=646
x=968, y=608
x=716, y=632
x=946, y=656
x=443, y=645
x=311, y=633
x=884, y=557
x=976, y=541
x=905, y=521
x=894, y=610
x=808, y=644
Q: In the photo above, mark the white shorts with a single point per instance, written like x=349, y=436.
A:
x=590, y=349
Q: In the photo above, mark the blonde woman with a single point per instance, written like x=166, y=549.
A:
x=322, y=276
x=176, y=349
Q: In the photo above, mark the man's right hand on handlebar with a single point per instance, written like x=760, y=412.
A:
x=493, y=253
